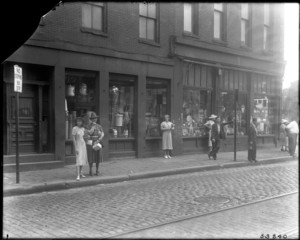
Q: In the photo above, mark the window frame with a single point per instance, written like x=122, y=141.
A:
x=266, y=27
x=222, y=25
x=92, y=30
x=156, y=20
x=248, y=26
x=194, y=19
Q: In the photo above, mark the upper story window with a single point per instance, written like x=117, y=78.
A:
x=245, y=24
x=148, y=21
x=219, y=21
x=93, y=16
x=266, y=26
x=190, y=18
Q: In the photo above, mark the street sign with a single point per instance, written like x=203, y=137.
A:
x=17, y=78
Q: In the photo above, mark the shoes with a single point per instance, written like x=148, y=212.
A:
x=97, y=173
x=78, y=178
x=169, y=156
x=209, y=156
x=165, y=156
x=82, y=176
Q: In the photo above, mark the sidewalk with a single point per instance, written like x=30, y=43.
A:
x=130, y=169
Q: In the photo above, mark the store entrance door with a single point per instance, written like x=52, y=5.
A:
x=30, y=120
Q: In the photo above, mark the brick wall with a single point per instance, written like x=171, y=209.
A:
x=64, y=24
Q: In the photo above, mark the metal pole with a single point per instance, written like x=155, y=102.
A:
x=234, y=145
x=17, y=138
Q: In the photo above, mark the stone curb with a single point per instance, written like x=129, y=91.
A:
x=134, y=176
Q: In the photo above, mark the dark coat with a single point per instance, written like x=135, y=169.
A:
x=252, y=134
x=214, y=132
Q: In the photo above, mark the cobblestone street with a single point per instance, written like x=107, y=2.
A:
x=107, y=210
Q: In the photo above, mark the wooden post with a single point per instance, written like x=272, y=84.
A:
x=236, y=94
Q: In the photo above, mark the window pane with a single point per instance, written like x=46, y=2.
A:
x=143, y=27
x=194, y=112
x=187, y=17
x=243, y=31
x=217, y=25
x=156, y=106
x=143, y=9
x=152, y=10
x=245, y=9
x=86, y=16
x=97, y=18
x=218, y=6
x=150, y=29
x=266, y=14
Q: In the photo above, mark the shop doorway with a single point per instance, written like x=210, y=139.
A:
x=33, y=119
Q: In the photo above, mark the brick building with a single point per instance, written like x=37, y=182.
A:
x=131, y=63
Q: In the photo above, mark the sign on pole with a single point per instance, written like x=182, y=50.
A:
x=18, y=79
x=17, y=89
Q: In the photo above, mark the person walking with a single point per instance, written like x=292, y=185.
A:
x=80, y=147
x=252, y=141
x=95, y=135
x=209, y=124
x=283, y=139
x=166, y=128
x=292, y=131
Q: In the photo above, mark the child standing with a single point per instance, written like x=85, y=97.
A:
x=80, y=147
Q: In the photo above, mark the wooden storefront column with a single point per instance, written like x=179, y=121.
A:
x=140, y=119
x=250, y=97
x=176, y=106
x=59, y=112
x=103, y=109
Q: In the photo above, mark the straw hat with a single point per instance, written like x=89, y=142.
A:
x=93, y=115
x=213, y=116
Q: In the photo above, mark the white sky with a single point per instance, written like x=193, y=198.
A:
x=291, y=44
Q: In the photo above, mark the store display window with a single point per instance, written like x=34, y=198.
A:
x=196, y=96
x=79, y=97
x=156, y=106
x=229, y=81
x=266, y=103
x=121, y=108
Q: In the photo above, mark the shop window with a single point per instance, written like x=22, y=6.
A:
x=196, y=99
x=156, y=106
x=93, y=16
x=233, y=80
x=80, y=96
x=265, y=103
x=121, y=107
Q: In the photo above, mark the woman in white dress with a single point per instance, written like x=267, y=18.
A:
x=166, y=128
x=80, y=147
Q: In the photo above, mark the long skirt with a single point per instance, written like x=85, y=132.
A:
x=94, y=156
x=167, y=140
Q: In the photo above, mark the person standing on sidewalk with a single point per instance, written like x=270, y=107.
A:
x=217, y=133
x=283, y=139
x=166, y=128
x=209, y=124
x=292, y=131
x=80, y=147
x=252, y=141
x=95, y=135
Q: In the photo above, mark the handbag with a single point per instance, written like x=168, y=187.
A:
x=97, y=146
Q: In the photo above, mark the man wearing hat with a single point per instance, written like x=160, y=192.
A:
x=209, y=124
x=217, y=133
x=95, y=135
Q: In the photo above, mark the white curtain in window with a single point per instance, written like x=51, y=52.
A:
x=217, y=25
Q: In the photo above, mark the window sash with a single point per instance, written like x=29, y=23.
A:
x=218, y=7
x=148, y=21
x=188, y=16
x=93, y=16
x=266, y=14
x=245, y=11
x=217, y=25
